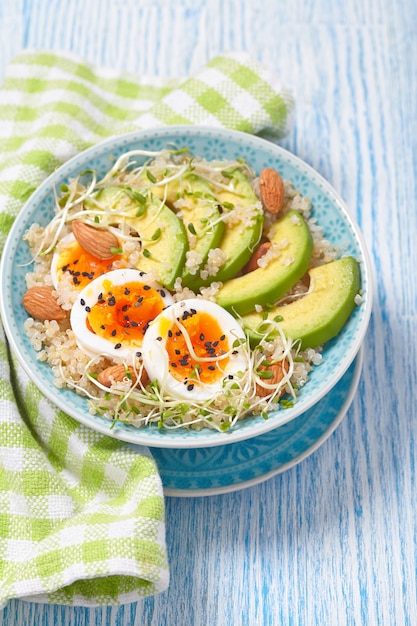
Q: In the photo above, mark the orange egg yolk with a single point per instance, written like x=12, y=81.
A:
x=82, y=266
x=208, y=342
x=123, y=312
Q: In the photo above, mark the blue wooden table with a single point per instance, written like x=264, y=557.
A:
x=331, y=541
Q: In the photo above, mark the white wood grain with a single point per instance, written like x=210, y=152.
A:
x=331, y=542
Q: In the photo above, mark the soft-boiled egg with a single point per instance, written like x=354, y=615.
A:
x=112, y=314
x=190, y=349
x=78, y=267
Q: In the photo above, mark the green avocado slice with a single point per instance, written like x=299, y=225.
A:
x=241, y=233
x=318, y=316
x=192, y=197
x=164, y=240
x=266, y=285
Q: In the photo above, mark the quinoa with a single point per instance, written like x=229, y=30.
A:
x=216, y=258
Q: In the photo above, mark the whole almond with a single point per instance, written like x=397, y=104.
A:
x=97, y=241
x=272, y=190
x=116, y=373
x=258, y=254
x=40, y=303
x=278, y=371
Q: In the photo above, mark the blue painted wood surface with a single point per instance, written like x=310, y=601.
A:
x=332, y=541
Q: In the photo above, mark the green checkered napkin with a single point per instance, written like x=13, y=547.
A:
x=82, y=514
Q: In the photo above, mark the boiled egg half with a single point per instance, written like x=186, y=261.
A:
x=77, y=267
x=190, y=349
x=112, y=314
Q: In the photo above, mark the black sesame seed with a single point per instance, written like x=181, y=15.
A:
x=211, y=367
x=82, y=302
x=88, y=309
x=159, y=338
x=113, y=333
x=117, y=346
x=146, y=287
x=177, y=351
x=103, y=327
x=162, y=292
x=138, y=354
x=202, y=337
x=223, y=337
x=190, y=387
x=170, y=333
x=125, y=308
x=174, y=365
x=127, y=291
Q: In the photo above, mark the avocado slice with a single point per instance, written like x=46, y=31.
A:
x=199, y=208
x=164, y=240
x=241, y=236
x=321, y=314
x=266, y=285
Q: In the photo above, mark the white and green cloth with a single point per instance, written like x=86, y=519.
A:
x=82, y=518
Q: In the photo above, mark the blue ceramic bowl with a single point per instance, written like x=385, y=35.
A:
x=209, y=143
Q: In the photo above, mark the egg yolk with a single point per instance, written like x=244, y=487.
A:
x=123, y=312
x=82, y=266
x=208, y=342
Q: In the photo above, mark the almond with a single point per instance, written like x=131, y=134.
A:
x=278, y=371
x=258, y=254
x=272, y=190
x=40, y=303
x=97, y=241
x=116, y=373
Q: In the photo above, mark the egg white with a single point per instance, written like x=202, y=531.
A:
x=56, y=273
x=156, y=359
x=92, y=344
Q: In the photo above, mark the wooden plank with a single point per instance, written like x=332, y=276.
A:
x=332, y=541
